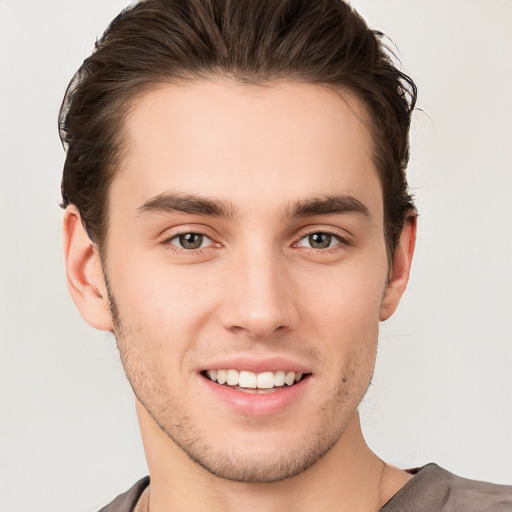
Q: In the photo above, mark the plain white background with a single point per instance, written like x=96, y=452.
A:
x=442, y=389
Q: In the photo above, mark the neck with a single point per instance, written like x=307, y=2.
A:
x=350, y=477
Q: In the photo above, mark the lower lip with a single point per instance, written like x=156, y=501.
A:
x=257, y=404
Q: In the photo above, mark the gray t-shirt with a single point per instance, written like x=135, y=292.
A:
x=432, y=489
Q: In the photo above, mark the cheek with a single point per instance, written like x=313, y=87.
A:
x=349, y=298
x=154, y=291
x=163, y=310
x=345, y=315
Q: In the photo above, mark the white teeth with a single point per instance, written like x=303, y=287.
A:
x=265, y=380
x=251, y=380
x=232, y=377
x=279, y=378
x=221, y=376
x=290, y=378
x=247, y=380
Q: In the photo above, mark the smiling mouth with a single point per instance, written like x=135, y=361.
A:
x=250, y=382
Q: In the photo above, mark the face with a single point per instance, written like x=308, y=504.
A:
x=246, y=243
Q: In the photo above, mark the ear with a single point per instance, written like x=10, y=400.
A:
x=84, y=274
x=400, y=268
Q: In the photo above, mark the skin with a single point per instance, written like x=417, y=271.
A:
x=255, y=288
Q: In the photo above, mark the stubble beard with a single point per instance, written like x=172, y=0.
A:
x=233, y=464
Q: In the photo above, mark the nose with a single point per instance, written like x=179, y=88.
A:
x=259, y=300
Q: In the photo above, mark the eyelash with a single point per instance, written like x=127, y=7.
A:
x=342, y=242
x=181, y=250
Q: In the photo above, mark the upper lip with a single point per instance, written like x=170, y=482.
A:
x=257, y=364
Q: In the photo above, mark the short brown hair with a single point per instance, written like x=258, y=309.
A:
x=255, y=41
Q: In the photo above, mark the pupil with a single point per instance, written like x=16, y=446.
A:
x=191, y=241
x=320, y=240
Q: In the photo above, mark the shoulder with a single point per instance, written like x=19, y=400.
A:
x=126, y=502
x=434, y=489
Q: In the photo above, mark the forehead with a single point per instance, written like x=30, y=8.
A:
x=254, y=146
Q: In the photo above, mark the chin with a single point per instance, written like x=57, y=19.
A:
x=256, y=457
x=240, y=466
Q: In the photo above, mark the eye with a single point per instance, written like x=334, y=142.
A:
x=190, y=241
x=319, y=240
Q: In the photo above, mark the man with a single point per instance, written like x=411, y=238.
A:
x=237, y=214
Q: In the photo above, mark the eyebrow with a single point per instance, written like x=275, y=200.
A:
x=326, y=205
x=199, y=205
x=188, y=203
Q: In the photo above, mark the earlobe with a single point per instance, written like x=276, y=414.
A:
x=400, y=268
x=84, y=274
